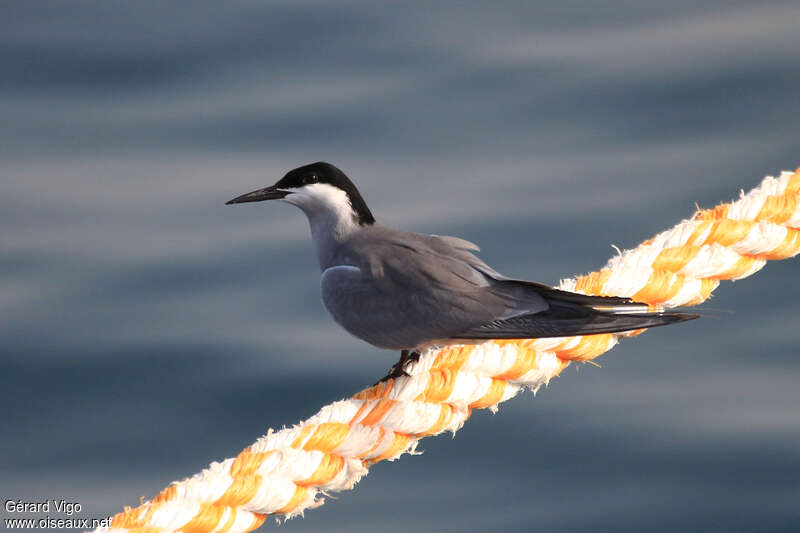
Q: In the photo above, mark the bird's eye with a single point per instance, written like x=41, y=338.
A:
x=311, y=178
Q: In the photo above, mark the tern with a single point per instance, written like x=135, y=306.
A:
x=406, y=291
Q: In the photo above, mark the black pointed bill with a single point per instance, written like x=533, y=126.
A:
x=268, y=193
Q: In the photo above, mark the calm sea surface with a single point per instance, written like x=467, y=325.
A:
x=146, y=329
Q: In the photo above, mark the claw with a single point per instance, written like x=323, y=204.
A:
x=398, y=369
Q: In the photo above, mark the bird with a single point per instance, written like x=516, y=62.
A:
x=407, y=291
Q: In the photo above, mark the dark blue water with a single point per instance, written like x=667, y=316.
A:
x=147, y=329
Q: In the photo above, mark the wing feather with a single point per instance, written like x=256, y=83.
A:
x=400, y=290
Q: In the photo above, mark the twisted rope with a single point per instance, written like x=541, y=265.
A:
x=284, y=472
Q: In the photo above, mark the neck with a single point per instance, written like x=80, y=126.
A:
x=329, y=231
x=331, y=217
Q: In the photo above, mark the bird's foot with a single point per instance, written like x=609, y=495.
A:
x=398, y=370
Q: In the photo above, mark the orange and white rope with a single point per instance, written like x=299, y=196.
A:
x=286, y=471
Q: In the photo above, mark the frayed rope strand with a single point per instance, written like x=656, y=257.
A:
x=285, y=472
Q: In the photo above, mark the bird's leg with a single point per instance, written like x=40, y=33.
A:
x=398, y=370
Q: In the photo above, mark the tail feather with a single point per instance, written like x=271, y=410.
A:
x=557, y=323
x=527, y=292
x=549, y=312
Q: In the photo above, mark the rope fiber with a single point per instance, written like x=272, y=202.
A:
x=285, y=472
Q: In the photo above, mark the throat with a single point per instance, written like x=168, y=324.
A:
x=332, y=217
x=329, y=232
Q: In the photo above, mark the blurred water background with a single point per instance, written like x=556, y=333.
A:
x=147, y=329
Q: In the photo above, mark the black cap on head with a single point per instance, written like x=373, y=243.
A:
x=321, y=172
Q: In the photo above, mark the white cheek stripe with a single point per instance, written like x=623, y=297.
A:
x=321, y=195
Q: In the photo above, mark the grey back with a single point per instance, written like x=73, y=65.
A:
x=397, y=289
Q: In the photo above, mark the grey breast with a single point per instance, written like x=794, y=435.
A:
x=398, y=290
